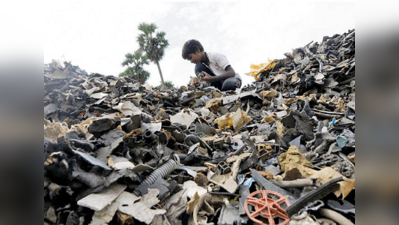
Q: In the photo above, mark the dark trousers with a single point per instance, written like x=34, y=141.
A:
x=230, y=83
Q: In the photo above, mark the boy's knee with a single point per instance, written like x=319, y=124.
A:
x=231, y=84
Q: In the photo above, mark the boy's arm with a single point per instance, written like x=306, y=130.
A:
x=229, y=72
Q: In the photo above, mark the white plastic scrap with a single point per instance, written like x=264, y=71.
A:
x=191, y=188
x=98, y=201
x=151, y=127
x=98, y=95
x=119, y=163
x=185, y=117
x=127, y=108
x=105, y=216
x=142, y=210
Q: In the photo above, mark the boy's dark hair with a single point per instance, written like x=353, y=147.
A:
x=191, y=46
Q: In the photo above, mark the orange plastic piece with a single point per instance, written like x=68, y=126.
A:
x=266, y=207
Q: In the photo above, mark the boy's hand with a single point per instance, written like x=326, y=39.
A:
x=206, y=77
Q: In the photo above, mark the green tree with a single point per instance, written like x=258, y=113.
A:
x=167, y=84
x=153, y=43
x=135, y=63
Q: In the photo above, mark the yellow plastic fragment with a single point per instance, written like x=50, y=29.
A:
x=240, y=118
x=217, y=94
x=324, y=99
x=293, y=155
x=280, y=128
x=324, y=175
x=265, y=102
x=160, y=113
x=267, y=119
x=214, y=105
x=268, y=94
x=224, y=121
x=55, y=130
x=340, y=107
x=258, y=69
x=309, y=98
x=289, y=101
x=294, y=78
x=192, y=203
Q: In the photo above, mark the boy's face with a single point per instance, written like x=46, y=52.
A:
x=195, y=57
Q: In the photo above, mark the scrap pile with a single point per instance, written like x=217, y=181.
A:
x=279, y=151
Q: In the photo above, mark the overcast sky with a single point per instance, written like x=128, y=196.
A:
x=96, y=35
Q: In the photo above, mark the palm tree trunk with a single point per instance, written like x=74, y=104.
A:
x=160, y=73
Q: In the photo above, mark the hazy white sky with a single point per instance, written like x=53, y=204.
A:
x=96, y=35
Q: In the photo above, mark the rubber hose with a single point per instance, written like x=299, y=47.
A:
x=191, y=140
x=163, y=170
x=331, y=214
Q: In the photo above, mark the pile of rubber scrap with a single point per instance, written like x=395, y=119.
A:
x=280, y=151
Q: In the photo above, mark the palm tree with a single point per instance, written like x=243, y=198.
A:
x=135, y=63
x=167, y=84
x=153, y=44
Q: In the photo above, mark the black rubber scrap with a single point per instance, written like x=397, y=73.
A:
x=102, y=125
x=317, y=194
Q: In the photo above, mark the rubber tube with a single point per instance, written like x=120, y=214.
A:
x=191, y=140
x=162, y=137
x=331, y=214
x=294, y=183
x=163, y=170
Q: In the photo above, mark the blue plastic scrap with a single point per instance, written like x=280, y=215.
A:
x=332, y=123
